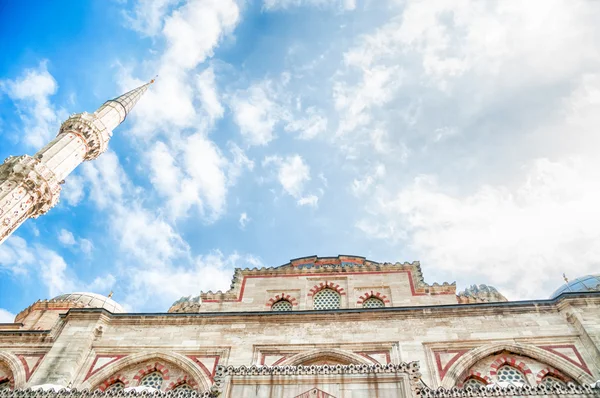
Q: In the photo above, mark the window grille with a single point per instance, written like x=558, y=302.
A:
x=153, y=380
x=116, y=386
x=184, y=387
x=550, y=382
x=327, y=299
x=511, y=375
x=373, y=302
x=473, y=383
x=282, y=305
x=4, y=385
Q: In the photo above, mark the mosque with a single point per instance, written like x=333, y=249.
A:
x=315, y=327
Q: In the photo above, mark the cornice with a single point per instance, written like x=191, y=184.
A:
x=350, y=314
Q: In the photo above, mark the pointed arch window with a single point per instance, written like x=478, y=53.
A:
x=153, y=380
x=473, y=383
x=373, y=302
x=550, y=382
x=116, y=386
x=510, y=374
x=327, y=299
x=281, y=305
x=183, y=387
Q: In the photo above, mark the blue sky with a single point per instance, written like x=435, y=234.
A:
x=460, y=133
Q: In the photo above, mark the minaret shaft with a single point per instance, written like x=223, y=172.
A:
x=30, y=186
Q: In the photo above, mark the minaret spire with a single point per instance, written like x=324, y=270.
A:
x=30, y=186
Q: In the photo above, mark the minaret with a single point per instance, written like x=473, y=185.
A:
x=30, y=186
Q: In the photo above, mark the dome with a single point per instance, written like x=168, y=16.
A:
x=91, y=300
x=588, y=283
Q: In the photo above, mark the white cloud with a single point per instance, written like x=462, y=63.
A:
x=310, y=126
x=309, y=200
x=39, y=261
x=72, y=192
x=498, y=234
x=244, y=220
x=86, y=245
x=196, y=178
x=284, y=4
x=147, y=16
x=182, y=98
x=293, y=174
x=361, y=186
x=66, y=237
x=6, y=316
x=31, y=92
x=168, y=283
x=209, y=95
x=256, y=113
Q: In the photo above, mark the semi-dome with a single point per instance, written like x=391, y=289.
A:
x=588, y=283
x=91, y=300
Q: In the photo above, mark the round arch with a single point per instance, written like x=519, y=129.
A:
x=16, y=367
x=460, y=368
x=334, y=353
x=179, y=360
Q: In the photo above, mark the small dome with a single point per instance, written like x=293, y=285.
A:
x=588, y=283
x=91, y=300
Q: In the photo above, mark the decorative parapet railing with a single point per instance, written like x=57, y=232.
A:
x=511, y=391
x=409, y=370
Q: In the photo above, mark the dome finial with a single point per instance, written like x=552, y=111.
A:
x=565, y=277
x=110, y=294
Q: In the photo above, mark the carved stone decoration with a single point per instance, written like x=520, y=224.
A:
x=480, y=294
x=314, y=393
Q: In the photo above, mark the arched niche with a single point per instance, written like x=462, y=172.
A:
x=334, y=356
x=180, y=361
x=15, y=367
x=459, y=370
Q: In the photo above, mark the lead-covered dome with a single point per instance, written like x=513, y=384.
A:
x=91, y=300
x=588, y=283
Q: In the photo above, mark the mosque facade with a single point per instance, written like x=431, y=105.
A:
x=316, y=327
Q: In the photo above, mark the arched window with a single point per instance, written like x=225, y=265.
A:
x=373, y=302
x=509, y=374
x=474, y=383
x=4, y=384
x=327, y=299
x=281, y=305
x=550, y=381
x=116, y=386
x=153, y=380
x=183, y=387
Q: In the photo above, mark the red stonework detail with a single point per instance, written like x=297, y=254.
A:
x=112, y=380
x=581, y=364
x=182, y=380
x=370, y=294
x=326, y=285
x=29, y=372
x=443, y=368
x=476, y=375
x=281, y=296
x=157, y=367
x=549, y=371
x=209, y=373
x=506, y=360
x=368, y=354
x=93, y=371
